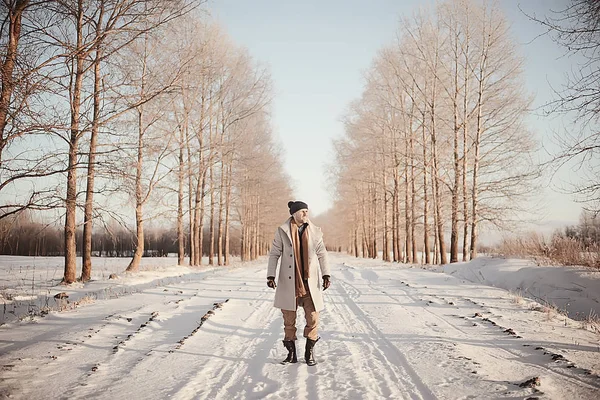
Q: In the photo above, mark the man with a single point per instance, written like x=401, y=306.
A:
x=300, y=246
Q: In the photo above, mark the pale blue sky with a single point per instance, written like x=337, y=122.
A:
x=317, y=52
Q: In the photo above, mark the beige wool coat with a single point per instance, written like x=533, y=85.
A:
x=285, y=293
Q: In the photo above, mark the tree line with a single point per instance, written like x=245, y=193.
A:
x=436, y=143
x=107, y=104
x=23, y=236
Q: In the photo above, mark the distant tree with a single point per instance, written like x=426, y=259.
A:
x=445, y=101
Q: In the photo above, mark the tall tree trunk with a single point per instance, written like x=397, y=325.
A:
x=410, y=186
x=407, y=247
x=413, y=195
x=250, y=225
x=134, y=265
x=257, y=230
x=395, y=212
x=465, y=153
x=220, y=220
x=14, y=17
x=200, y=229
x=474, y=232
x=244, y=217
x=356, y=253
x=197, y=226
x=438, y=210
x=243, y=238
x=374, y=218
x=398, y=243
x=478, y=132
x=436, y=185
x=426, y=248
x=386, y=231
x=436, y=246
x=253, y=229
x=71, y=200
x=227, y=210
x=86, y=269
x=180, y=184
x=456, y=129
x=365, y=241
x=198, y=220
x=184, y=135
x=395, y=257
x=191, y=201
x=211, y=228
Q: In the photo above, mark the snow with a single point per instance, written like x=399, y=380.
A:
x=573, y=290
x=388, y=331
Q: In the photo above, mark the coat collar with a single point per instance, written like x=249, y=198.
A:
x=286, y=227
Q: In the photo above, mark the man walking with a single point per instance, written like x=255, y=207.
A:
x=300, y=246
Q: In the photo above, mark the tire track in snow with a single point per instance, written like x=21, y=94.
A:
x=552, y=368
x=244, y=380
x=507, y=355
x=159, y=328
x=377, y=356
x=64, y=359
x=159, y=350
x=432, y=356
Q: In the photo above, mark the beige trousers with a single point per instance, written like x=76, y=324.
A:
x=312, y=319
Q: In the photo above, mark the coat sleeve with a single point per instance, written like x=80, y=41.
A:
x=275, y=253
x=322, y=256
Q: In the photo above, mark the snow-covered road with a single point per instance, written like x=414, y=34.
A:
x=387, y=332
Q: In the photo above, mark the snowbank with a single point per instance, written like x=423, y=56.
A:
x=574, y=290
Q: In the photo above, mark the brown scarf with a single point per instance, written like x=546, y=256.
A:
x=302, y=271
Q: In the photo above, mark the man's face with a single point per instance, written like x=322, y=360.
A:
x=301, y=216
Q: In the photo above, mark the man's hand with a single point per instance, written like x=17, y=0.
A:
x=326, y=282
x=271, y=282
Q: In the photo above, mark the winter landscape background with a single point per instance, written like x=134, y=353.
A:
x=449, y=151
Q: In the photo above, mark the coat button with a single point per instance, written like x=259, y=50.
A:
x=290, y=277
x=290, y=266
x=290, y=255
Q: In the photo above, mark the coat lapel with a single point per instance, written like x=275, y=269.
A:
x=311, y=243
x=286, y=228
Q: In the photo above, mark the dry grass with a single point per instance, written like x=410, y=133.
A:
x=591, y=323
x=516, y=297
x=558, y=250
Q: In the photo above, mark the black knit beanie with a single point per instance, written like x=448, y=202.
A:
x=296, y=205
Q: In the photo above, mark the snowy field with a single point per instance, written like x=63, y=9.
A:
x=388, y=331
x=28, y=284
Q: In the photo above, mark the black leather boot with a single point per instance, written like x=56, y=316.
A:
x=290, y=345
x=309, y=353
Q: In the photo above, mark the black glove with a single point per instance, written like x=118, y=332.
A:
x=271, y=282
x=326, y=282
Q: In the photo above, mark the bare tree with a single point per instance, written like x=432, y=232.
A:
x=421, y=88
x=168, y=109
x=576, y=28
x=86, y=267
x=150, y=81
x=23, y=67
